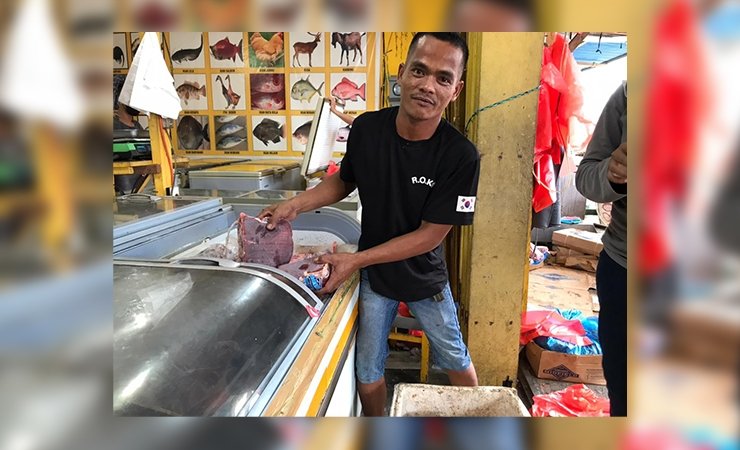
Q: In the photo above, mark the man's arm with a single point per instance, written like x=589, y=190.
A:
x=422, y=240
x=331, y=190
x=601, y=175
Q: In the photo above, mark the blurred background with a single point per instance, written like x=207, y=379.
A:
x=55, y=222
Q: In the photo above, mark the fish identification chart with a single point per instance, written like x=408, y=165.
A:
x=255, y=93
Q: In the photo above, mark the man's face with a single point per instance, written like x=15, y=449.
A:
x=485, y=15
x=430, y=79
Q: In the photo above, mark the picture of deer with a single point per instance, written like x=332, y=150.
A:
x=348, y=41
x=306, y=48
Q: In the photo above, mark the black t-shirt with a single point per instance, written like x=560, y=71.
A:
x=402, y=183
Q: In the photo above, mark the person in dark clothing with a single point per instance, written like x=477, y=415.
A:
x=123, y=116
x=417, y=176
x=602, y=177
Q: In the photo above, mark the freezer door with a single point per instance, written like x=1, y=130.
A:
x=201, y=341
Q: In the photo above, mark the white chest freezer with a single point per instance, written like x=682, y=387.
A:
x=249, y=176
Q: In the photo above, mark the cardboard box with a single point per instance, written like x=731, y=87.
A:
x=574, y=259
x=583, y=241
x=564, y=367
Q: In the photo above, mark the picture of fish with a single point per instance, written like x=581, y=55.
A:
x=343, y=134
x=268, y=102
x=189, y=133
x=224, y=49
x=267, y=82
x=118, y=56
x=231, y=134
x=188, y=54
x=225, y=119
x=230, y=142
x=190, y=90
x=301, y=133
x=135, y=41
x=268, y=131
x=304, y=91
x=348, y=90
x=119, y=51
x=206, y=133
x=229, y=128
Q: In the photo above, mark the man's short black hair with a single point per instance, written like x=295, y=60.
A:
x=452, y=38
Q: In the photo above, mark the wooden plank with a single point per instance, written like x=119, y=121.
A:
x=295, y=386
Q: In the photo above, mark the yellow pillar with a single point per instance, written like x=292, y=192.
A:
x=504, y=64
x=161, y=154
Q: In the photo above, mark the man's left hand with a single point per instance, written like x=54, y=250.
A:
x=342, y=266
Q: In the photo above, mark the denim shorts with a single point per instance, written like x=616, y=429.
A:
x=438, y=321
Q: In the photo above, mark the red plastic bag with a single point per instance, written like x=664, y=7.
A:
x=574, y=401
x=560, y=99
x=552, y=324
x=545, y=191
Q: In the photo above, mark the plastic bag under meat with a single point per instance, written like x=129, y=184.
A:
x=221, y=251
x=307, y=271
x=574, y=401
x=259, y=245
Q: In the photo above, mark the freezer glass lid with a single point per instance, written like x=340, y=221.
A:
x=129, y=209
x=196, y=340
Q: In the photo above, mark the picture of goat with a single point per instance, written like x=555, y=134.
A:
x=305, y=48
x=348, y=41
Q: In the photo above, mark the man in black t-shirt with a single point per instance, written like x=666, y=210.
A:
x=417, y=176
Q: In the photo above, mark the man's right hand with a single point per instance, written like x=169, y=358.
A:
x=277, y=212
x=617, y=171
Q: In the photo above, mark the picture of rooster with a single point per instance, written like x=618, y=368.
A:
x=266, y=49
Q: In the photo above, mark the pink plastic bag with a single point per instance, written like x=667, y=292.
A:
x=574, y=401
x=552, y=324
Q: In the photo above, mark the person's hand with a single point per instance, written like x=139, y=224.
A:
x=333, y=105
x=617, y=170
x=277, y=212
x=342, y=266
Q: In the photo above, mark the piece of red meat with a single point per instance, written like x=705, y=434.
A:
x=259, y=245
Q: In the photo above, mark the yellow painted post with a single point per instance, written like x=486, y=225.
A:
x=508, y=64
x=53, y=167
x=161, y=154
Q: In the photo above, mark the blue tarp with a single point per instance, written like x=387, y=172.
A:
x=586, y=53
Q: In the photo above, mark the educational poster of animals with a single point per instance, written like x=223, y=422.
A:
x=300, y=127
x=192, y=132
x=191, y=88
x=228, y=91
x=269, y=133
x=255, y=93
x=226, y=50
x=267, y=91
x=349, y=49
x=266, y=49
x=351, y=88
x=187, y=51
x=120, y=53
x=307, y=50
x=305, y=90
x=231, y=133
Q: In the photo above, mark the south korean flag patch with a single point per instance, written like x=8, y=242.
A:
x=465, y=204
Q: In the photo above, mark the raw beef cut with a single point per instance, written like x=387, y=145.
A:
x=259, y=245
